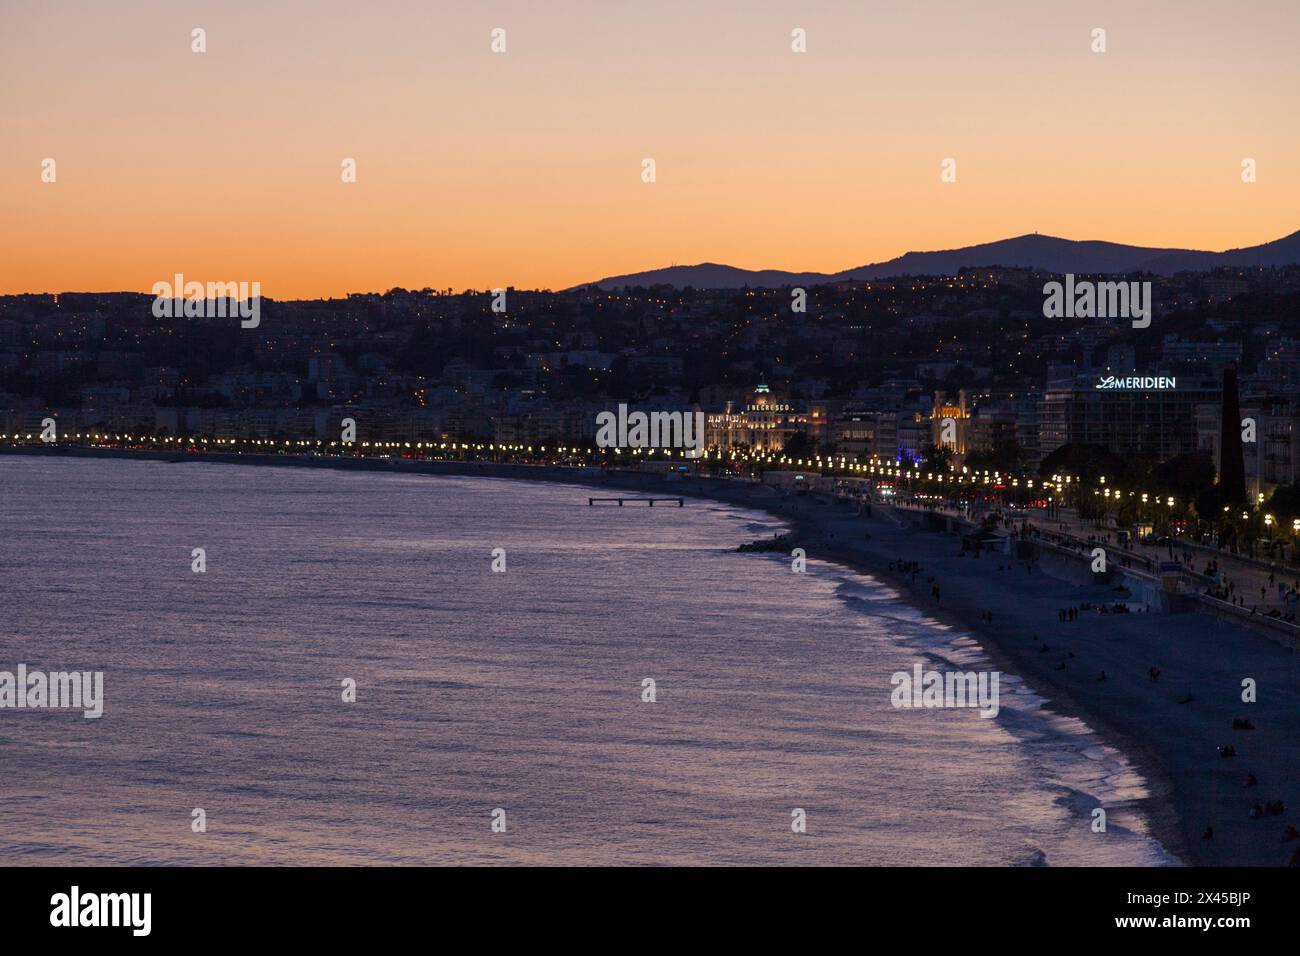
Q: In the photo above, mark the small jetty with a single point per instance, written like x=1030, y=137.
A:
x=781, y=542
x=592, y=502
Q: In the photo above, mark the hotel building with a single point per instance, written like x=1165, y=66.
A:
x=1127, y=414
x=765, y=424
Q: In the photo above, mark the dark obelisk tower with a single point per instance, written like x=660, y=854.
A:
x=1232, y=468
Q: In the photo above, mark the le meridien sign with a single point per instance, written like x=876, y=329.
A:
x=1155, y=383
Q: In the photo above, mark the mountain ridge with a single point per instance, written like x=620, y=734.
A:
x=1032, y=250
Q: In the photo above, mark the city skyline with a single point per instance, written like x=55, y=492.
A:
x=477, y=169
x=1046, y=254
x=698, y=434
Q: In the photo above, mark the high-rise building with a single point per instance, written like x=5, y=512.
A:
x=1126, y=414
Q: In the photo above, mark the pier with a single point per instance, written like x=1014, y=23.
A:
x=592, y=502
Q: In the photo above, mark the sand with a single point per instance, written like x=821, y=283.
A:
x=1170, y=728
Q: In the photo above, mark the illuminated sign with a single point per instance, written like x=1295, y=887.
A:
x=1152, y=382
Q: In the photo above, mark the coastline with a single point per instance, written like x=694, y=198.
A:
x=1171, y=742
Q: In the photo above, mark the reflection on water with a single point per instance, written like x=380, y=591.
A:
x=476, y=690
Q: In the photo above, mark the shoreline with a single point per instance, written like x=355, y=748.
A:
x=1169, y=740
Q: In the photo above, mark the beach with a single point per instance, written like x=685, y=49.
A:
x=1171, y=728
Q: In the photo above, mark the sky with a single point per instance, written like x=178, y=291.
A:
x=477, y=169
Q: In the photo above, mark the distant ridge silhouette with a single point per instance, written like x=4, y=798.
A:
x=1047, y=253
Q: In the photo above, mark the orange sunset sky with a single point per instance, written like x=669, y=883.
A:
x=478, y=169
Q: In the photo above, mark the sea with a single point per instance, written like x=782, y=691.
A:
x=316, y=666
